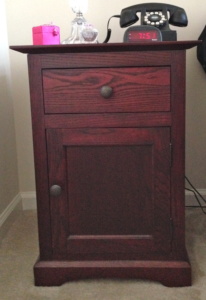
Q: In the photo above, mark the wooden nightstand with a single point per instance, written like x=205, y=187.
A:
x=109, y=130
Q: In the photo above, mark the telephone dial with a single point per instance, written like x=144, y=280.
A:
x=155, y=15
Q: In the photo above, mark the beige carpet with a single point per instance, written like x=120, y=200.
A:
x=19, y=250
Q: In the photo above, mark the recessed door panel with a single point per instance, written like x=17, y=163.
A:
x=109, y=191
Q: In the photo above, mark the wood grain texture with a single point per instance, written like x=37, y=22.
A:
x=133, y=90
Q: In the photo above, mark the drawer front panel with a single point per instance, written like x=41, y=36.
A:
x=142, y=89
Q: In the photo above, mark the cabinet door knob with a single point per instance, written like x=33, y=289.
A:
x=106, y=91
x=55, y=190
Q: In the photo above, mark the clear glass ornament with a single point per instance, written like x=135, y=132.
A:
x=82, y=32
x=89, y=34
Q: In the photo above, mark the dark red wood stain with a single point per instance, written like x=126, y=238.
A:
x=119, y=161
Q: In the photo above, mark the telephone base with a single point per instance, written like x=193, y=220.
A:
x=169, y=35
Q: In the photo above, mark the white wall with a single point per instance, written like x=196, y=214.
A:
x=8, y=158
x=22, y=15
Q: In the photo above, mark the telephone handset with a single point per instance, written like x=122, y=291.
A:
x=159, y=15
x=155, y=14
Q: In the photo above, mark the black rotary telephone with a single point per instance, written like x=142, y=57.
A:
x=158, y=15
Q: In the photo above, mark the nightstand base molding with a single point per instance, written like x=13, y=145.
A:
x=56, y=273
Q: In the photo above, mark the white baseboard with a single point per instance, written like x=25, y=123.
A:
x=190, y=198
x=9, y=209
x=28, y=200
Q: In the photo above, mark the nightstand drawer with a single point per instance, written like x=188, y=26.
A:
x=142, y=89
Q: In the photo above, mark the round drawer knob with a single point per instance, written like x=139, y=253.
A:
x=55, y=190
x=106, y=91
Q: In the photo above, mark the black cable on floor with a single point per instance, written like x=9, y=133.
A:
x=196, y=194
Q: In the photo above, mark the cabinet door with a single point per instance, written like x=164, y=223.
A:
x=114, y=195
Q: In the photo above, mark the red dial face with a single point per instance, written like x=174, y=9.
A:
x=151, y=35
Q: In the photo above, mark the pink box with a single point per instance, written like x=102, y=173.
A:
x=46, y=35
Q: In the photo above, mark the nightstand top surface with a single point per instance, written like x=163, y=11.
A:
x=83, y=48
